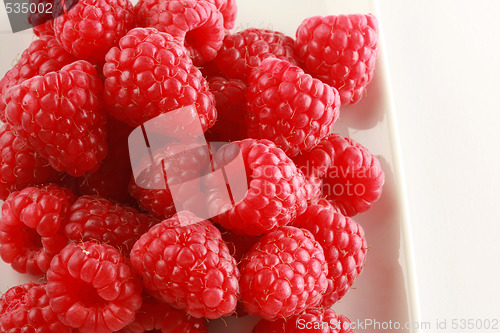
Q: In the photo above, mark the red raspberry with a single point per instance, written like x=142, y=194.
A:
x=26, y=308
x=196, y=24
x=352, y=177
x=289, y=107
x=283, y=274
x=93, y=288
x=185, y=262
x=31, y=227
x=149, y=187
x=150, y=74
x=243, y=51
x=155, y=316
x=69, y=130
x=92, y=27
x=44, y=55
x=230, y=103
x=313, y=320
x=228, y=10
x=108, y=182
x=344, y=243
x=97, y=219
x=21, y=167
x=341, y=51
x=276, y=190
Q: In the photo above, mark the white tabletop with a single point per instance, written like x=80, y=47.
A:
x=445, y=71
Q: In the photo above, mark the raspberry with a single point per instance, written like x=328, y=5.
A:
x=230, y=103
x=31, y=227
x=317, y=320
x=228, y=10
x=92, y=27
x=97, y=219
x=108, y=182
x=150, y=74
x=289, y=107
x=26, y=308
x=44, y=55
x=352, y=177
x=93, y=288
x=149, y=187
x=344, y=243
x=59, y=115
x=341, y=51
x=283, y=274
x=276, y=190
x=243, y=51
x=186, y=263
x=155, y=316
x=196, y=24
x=20, y=167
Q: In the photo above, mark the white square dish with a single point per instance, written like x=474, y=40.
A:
x=386, y=291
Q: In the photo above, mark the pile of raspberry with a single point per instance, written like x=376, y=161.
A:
x=107, y=247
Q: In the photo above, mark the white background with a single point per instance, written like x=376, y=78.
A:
x=444, y=59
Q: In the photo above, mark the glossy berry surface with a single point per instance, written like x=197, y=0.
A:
x=243, y=51
x=59, y=115
x=199, y=25
x=43, y=55
x=341, y=51
x=92, y=27
x=93, y=288
x=26, y=308
x=20, y=166
x=31, y=227
x=351, y=176
x=187, y=264
x=289, y=107
x=100, y=220
x=283, y=274
x=344, y=243
x=276, y=190
x=150, y=74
